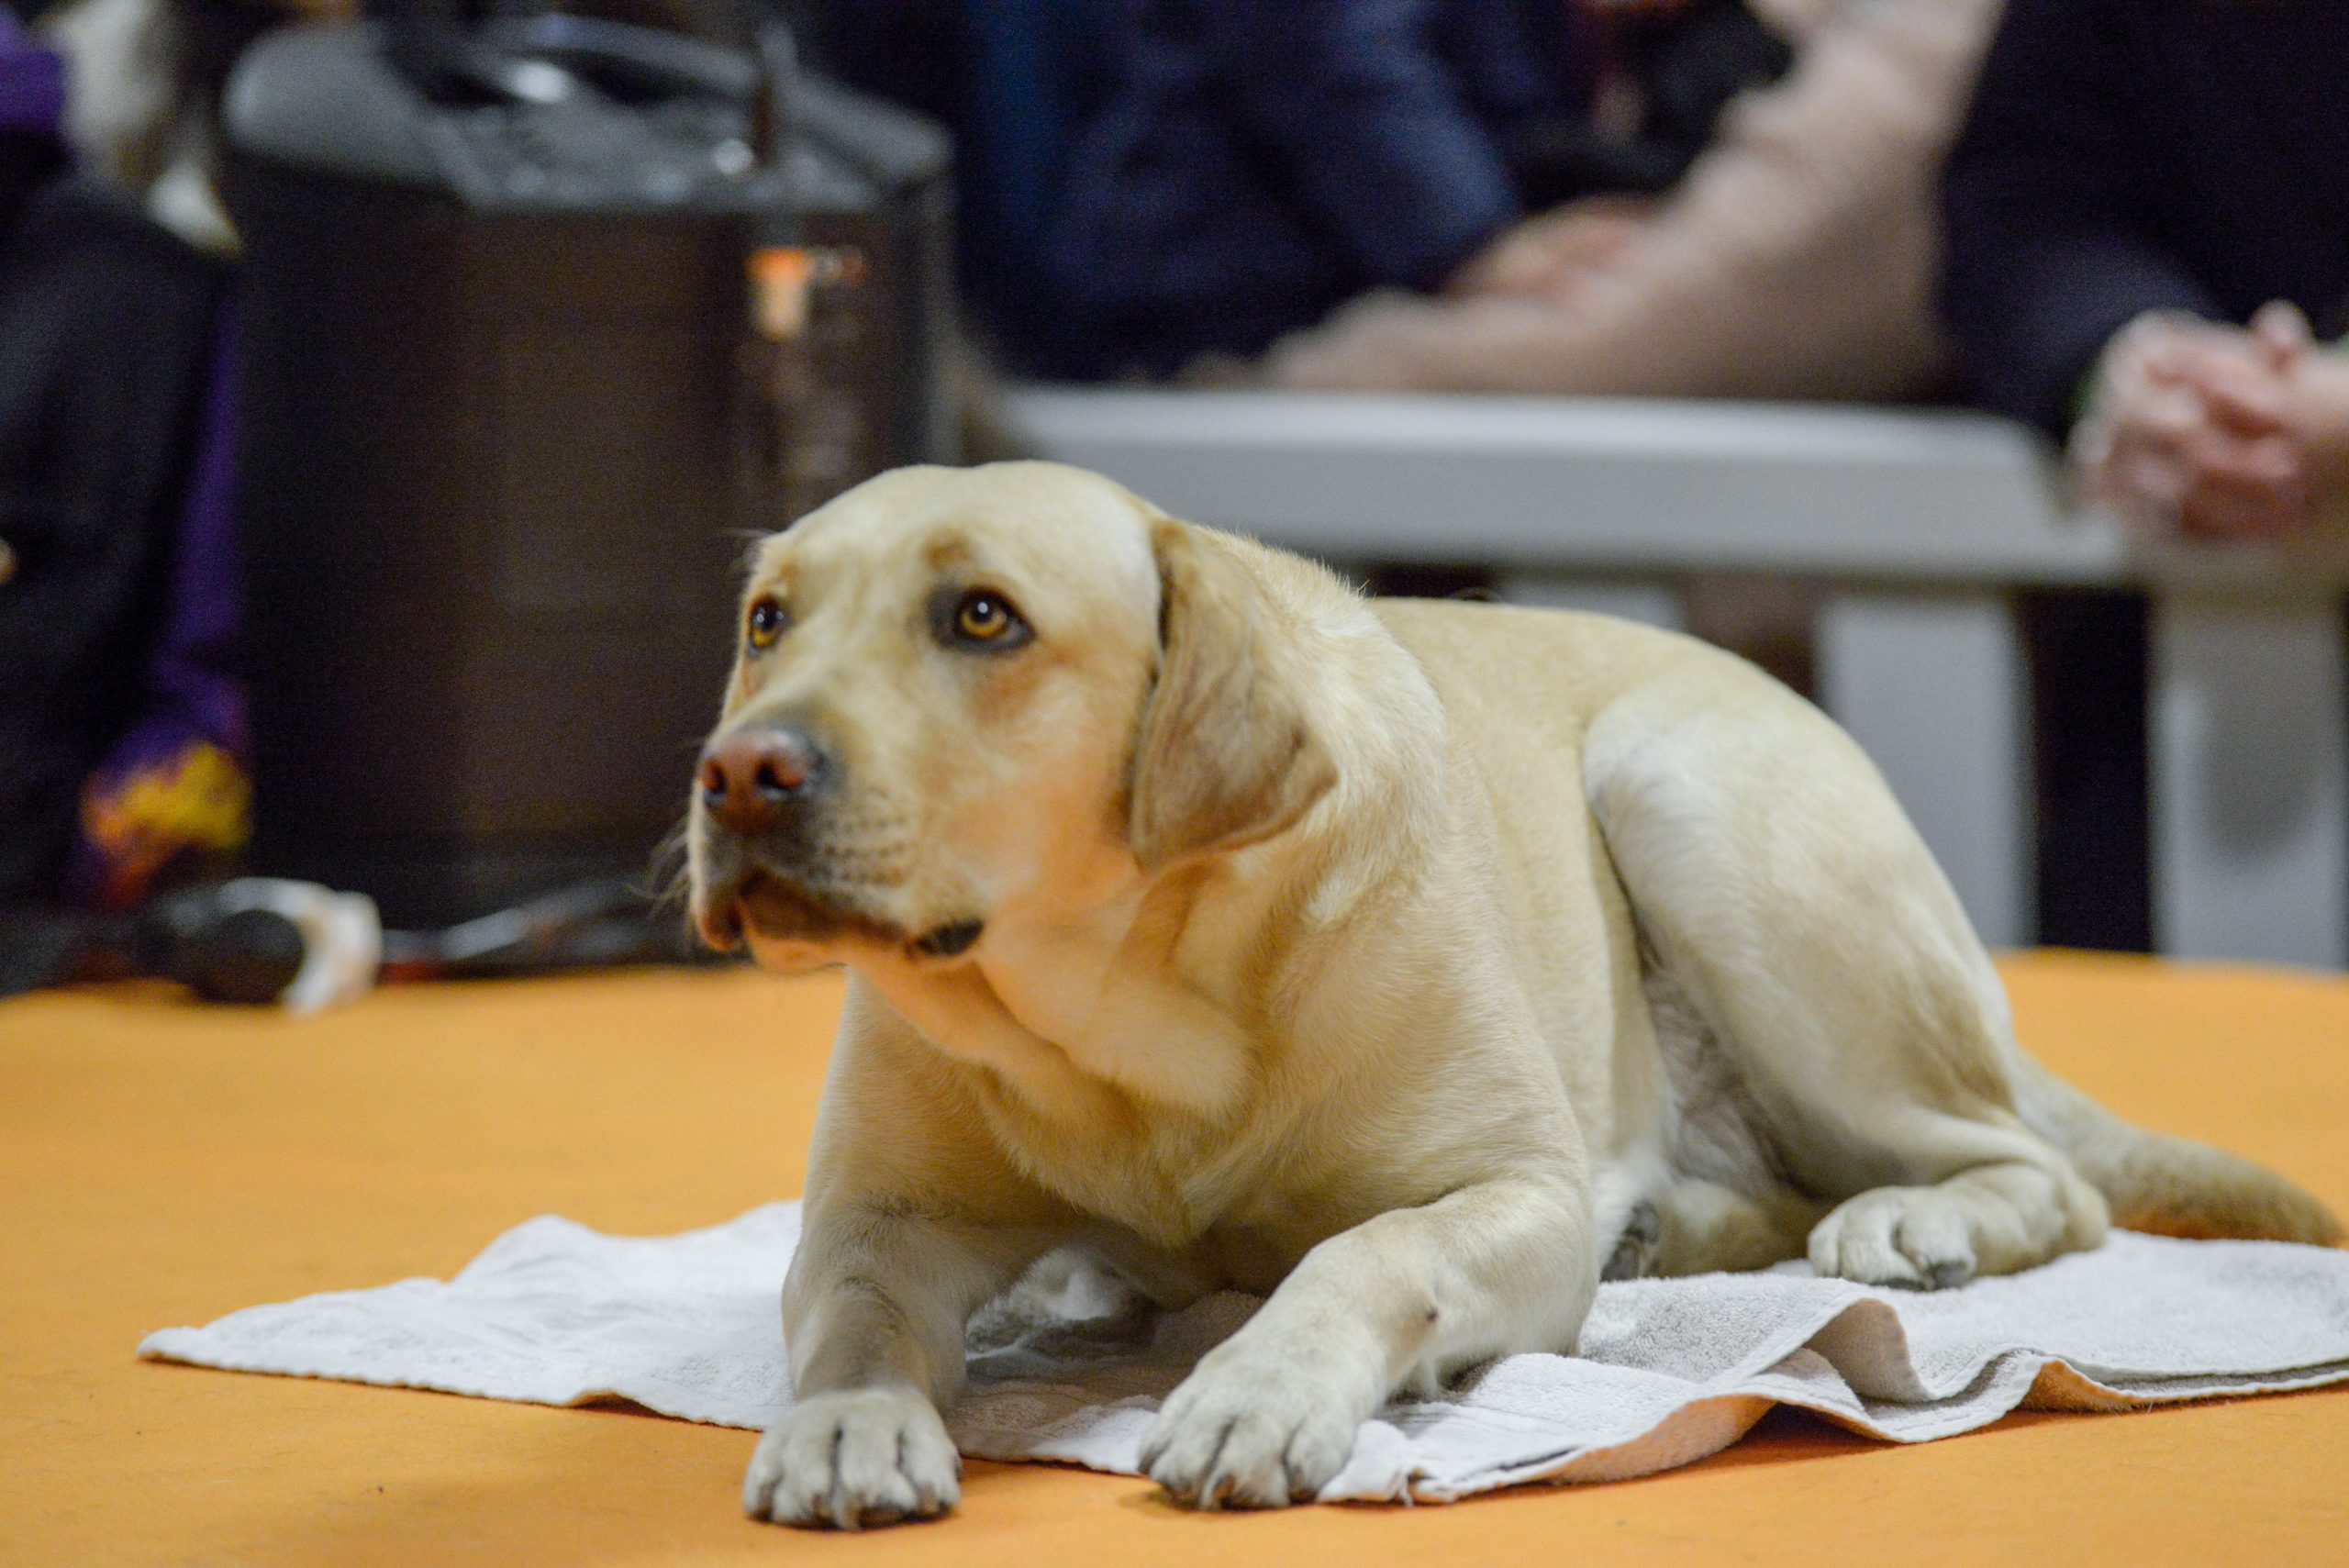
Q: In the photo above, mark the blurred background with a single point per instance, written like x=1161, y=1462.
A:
x=388, y=393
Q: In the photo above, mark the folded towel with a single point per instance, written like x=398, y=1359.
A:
x=1670, y=1370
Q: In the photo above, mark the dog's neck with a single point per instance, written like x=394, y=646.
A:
x=1137, y=998
x=1107, y=1046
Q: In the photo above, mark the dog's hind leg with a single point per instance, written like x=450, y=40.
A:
x=1777, y=882
x=1702, y=1227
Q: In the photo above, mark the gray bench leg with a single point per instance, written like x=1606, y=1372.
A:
x=2250, y=725
x=1934, y=687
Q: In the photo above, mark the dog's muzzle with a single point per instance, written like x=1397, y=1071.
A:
x=759, y=787
x=762, y=867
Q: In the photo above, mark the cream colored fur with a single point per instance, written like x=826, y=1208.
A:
x=1413, y=963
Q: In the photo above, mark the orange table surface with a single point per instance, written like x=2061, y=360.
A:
x=166, y=1162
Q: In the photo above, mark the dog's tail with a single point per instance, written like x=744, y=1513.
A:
x=2171, y=1187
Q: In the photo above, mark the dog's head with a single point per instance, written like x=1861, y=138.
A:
x=962, y=691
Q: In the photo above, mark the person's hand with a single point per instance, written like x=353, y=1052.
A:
x=2195, y=430
x=1549, y=256
x=2316, y=397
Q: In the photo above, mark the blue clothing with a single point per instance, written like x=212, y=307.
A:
x=2129, y=155
x=1257, y=163
x=1014, y=80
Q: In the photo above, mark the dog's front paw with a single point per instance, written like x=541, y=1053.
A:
x=1247, y=1431
x=872, y=1456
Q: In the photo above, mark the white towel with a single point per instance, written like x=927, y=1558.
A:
x=1670, y=1370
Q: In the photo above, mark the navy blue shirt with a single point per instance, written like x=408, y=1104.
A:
x=1259, y=162
x=2128, y=155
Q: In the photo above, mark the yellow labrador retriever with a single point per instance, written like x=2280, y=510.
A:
x=1416, y=963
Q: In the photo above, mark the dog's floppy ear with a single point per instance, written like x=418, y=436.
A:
x=1227, y=754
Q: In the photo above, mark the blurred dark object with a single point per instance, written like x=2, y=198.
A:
x=1685, y=65
x=268, y=940
x=40, y=945
x=2088, y=694
x=1256, y=165
x=1015, y=84
x=171, y=797
x=254, y=941
x=606, y=922
x=540, y=323
x=2123, y=158
x=1762, y=619
x=28, y=161
x=106, y=330
x=121, y=719
x=242, y=952
x=32, y=101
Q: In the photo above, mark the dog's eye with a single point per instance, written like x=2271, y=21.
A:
x=767, y=620
x=985, y=617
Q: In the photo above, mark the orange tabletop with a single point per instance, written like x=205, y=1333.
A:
x=163, y=1163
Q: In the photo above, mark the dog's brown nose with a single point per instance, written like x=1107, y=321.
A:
x=752, y=777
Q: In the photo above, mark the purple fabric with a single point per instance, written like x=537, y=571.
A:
x=32, y=81
x=192, y=683
x=195, y=704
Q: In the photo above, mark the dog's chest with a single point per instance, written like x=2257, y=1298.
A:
x=1119, y=1087
x=1166, y=1175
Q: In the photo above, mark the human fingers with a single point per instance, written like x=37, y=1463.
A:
x=2282, y=329
x=2238, y=489
x=2131, y=468
x=2248, y=396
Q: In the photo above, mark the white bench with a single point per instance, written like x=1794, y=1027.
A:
x=1922, y=526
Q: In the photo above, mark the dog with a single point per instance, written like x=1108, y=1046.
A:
x=1414, y=963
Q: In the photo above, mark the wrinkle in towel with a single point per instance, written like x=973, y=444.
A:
x=1669, y=1371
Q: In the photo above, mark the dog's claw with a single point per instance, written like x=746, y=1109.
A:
x=854, y=1460
x=1238, y=1435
